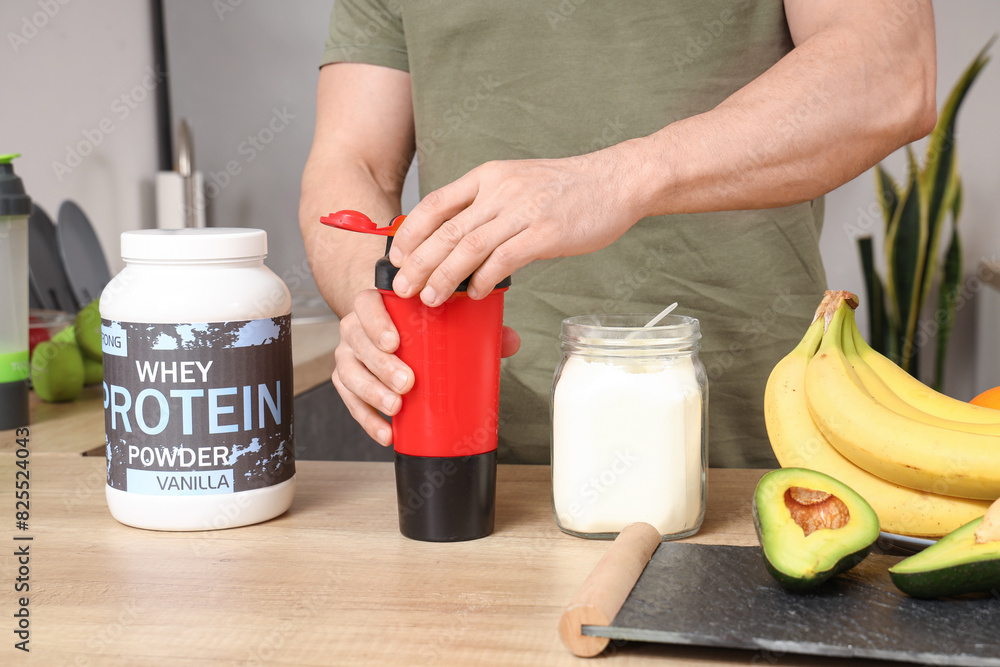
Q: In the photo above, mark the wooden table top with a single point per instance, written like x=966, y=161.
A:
x=330, y=582
x=78, y=426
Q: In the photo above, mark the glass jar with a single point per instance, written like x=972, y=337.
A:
x=629, y=421
x=196, y=341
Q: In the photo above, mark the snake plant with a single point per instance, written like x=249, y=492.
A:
x=916, y=220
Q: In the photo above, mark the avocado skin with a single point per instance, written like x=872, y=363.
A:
x=802, y=582
x=979, y=577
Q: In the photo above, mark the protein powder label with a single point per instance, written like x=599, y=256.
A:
x=196, y=409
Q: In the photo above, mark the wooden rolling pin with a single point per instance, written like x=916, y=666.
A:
x=604, y=592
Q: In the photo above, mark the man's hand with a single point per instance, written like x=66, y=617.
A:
x=502, y=215
x=368, y=375
x=858, y=85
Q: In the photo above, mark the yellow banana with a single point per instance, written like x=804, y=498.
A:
x=879, y=389
x=797, y=443
x=887, y=444
x=919, y=395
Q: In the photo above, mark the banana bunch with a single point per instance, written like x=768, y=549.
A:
x=926, y=463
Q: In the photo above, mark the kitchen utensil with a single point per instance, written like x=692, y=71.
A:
x=86, y=266
x=48, y=283
x=663, y=313
x=193, y=207
x=445, y=433
x=185, y=157
x=15, y=208
x=722, y=596
x=180, y=193
x=603, y=593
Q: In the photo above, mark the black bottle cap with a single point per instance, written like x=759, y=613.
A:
x=446, y=498
x=13, y=200
x=385, y=272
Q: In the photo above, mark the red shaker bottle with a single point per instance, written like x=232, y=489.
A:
x=445, y=433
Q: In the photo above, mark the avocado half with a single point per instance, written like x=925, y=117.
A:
x=954, y=565
x=811, y=526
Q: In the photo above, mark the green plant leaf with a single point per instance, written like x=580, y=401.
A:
x=939, y=177
x=956, y=204
x=905, y=245
x=940, y=149
x=887, y=192
x=877, y=321
x=948, y=294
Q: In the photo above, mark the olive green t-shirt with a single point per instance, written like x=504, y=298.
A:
x=514, y=79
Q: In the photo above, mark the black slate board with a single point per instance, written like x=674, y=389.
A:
x=706, y=595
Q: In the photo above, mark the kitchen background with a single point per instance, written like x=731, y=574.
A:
x=84, y=93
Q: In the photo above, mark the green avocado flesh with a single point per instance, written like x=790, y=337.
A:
x=841, y=526
x=952, y=566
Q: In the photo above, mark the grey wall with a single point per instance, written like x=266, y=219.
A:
x=77, y=81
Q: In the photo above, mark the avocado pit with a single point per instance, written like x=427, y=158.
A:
x=813, y=510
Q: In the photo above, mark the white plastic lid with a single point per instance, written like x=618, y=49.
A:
x=202, y=244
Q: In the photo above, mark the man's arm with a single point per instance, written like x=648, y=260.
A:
x=361, y=151
x=859, y=83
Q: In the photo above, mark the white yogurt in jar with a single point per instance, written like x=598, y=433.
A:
x=628, y=441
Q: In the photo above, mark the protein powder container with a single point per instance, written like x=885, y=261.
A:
x=196, y=334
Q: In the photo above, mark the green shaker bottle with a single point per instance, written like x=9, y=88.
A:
x=15, y=207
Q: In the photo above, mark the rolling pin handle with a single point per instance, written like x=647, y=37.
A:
x=603, y=593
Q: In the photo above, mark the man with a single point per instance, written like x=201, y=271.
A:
x=613, y=157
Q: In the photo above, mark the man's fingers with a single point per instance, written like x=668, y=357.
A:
x=354, y=369
x=508, y=256
x=456, y=249
x=510, y=342
x=438, y=206
x=384, y=376
x=370, y=420
x=375, y=320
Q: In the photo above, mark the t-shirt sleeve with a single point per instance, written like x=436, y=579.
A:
x=367, y=31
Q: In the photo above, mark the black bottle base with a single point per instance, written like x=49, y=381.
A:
x=446, y=499
x=13, y=404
